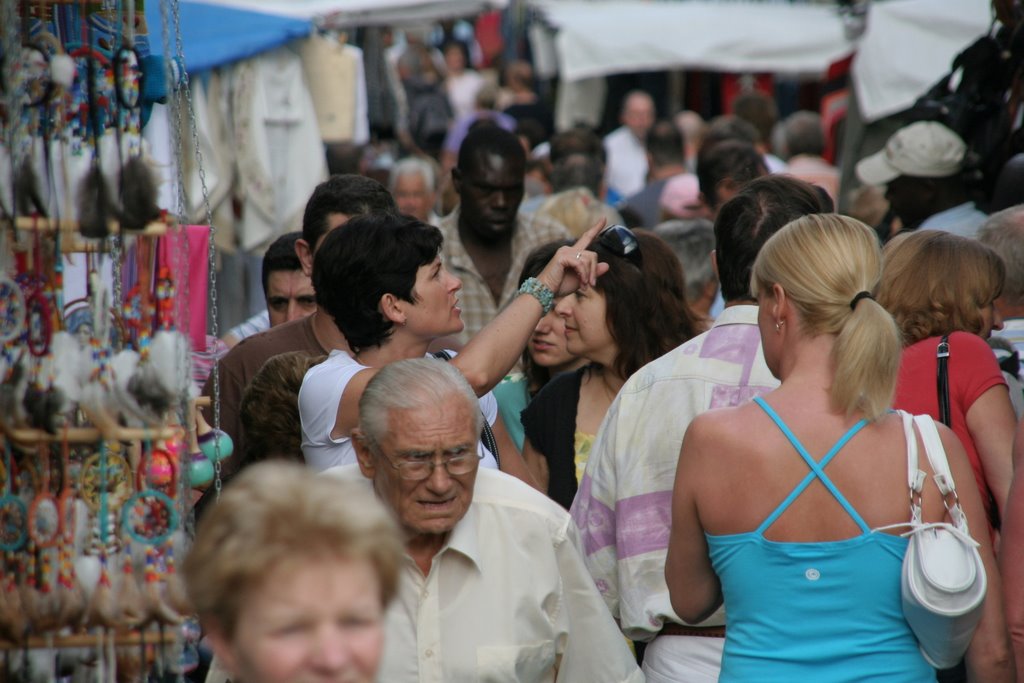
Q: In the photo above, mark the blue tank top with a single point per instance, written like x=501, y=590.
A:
x=823, y=612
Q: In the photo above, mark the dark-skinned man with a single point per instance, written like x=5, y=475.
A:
x=486, y=239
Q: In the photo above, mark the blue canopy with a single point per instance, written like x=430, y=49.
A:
x=214, y=35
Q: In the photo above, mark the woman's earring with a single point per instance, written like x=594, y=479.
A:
x=778, y=325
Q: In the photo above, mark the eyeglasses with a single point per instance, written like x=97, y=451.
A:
x=420, y=468
x=622, y=242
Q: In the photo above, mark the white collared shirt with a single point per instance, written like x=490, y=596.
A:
x=507, y=598
x=626, y=170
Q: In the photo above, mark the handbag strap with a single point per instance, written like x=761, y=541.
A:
x=942, y=380
x=940, y=466
x=915, y=476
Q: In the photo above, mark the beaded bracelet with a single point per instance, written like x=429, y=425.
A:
x=541, y=292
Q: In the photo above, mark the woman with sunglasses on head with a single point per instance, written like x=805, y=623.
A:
x=635, y=313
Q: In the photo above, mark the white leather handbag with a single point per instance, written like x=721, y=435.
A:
x=944, y=580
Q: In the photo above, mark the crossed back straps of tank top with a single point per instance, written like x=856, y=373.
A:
x=817, y=470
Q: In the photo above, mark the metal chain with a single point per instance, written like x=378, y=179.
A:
x=115, y=243
x=11, y=46
x=183, y=275
x=14, y=133
x=211, y=252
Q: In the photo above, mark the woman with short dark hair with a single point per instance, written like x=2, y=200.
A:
x=382, y=281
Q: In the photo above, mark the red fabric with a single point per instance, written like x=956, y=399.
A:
x=192, y=286
x=489, y=38
x=973, y=370
x=736, y=84
x=835, y=101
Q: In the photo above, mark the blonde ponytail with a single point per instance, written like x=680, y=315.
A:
x=824, y=262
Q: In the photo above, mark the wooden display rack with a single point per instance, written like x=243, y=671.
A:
x=163, y=637
x=107, y=428
x=71, y=239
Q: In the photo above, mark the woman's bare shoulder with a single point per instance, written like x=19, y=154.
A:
x=725, y=426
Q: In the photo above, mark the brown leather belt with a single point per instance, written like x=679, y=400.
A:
x=670, y=629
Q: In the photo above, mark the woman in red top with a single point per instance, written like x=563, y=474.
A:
x=934, y=284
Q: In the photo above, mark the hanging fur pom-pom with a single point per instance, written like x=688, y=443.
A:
x=71, y=359
x=101, y=611
x=95, y=205
x=26, y=189
x=165, y=376
x=43, y=407
x=43, y=609
x=72, y=604
x=133, y=608
x=12, y=394
x=138, y=195
x=12, y=613
x=158, y=608
x=175, y=594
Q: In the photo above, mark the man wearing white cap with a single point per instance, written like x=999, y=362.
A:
x=921, y=167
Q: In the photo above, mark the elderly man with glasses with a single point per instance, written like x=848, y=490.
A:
x=493, y=587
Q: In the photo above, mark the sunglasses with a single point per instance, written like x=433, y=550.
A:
x=622, y=242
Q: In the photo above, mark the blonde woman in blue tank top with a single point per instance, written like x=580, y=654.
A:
x=775, y=501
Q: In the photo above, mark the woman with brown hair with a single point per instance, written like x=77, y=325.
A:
x=635, y=313
x=938, y=285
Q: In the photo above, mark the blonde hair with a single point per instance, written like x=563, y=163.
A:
x=577, y=209
x=935, y=283
x=822, y=261
x=276, y=514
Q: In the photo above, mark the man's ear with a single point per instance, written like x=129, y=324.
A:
x=714, y=264
x=365, y=458
x=457, y=180
x=305, y=254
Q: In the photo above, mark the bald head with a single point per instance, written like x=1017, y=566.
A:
x=638, y=113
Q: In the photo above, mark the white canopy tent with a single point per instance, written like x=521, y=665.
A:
x=908, y=44
x=617, y=36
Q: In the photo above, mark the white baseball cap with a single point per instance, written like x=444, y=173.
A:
x=925, y=149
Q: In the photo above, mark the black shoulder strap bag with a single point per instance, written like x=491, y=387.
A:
x=945, y=416
x=958, y=673
x=486, y=434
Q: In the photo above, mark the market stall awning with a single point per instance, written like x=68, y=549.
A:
x=213, y=35
x=618, y=36
x=217, y=32
x=366, y=12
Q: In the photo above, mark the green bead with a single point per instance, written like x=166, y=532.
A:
x=216, y=445
x=200, y=470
